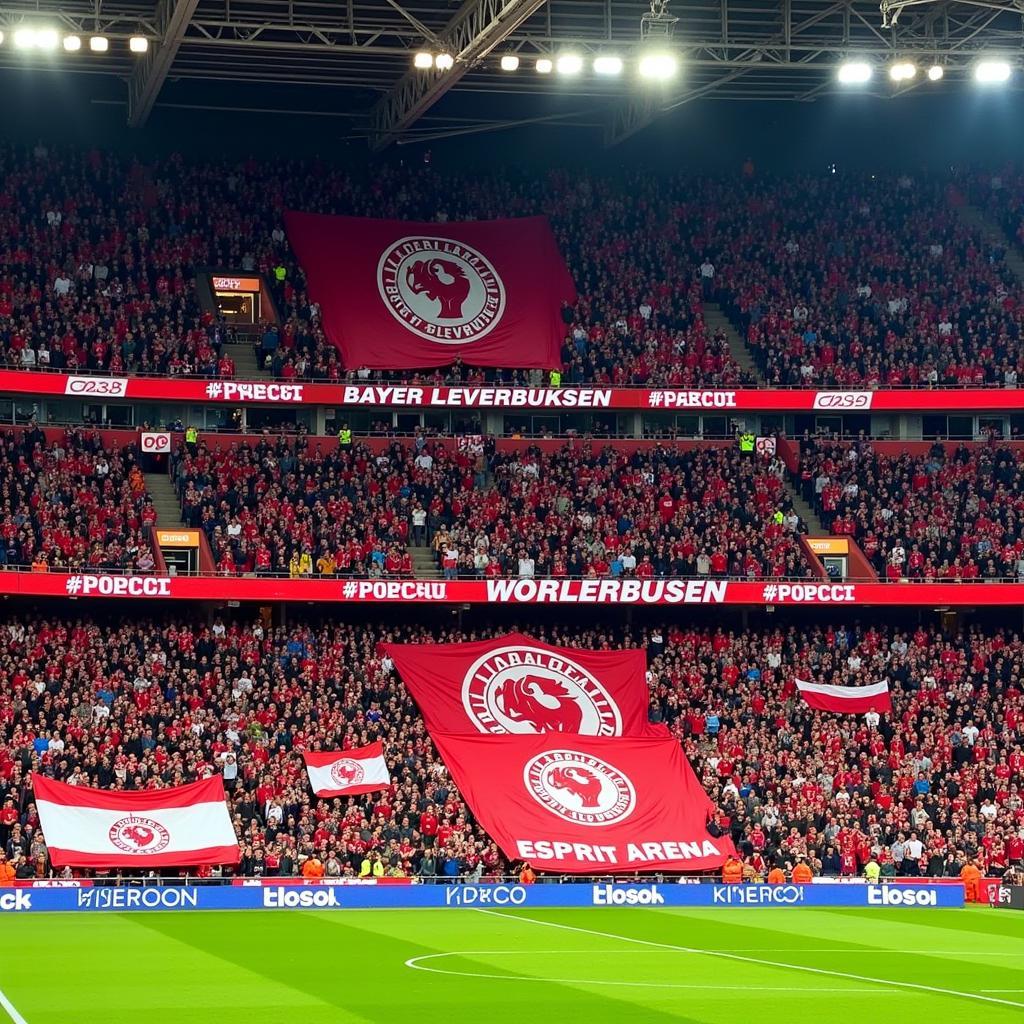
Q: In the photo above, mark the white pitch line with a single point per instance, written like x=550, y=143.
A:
x=763, y=963
x=11, y=1011
x=416, y=965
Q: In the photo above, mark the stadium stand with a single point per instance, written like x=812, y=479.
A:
x=138, y=704
x=951, y=513
x=835, y=280
x=287, y=506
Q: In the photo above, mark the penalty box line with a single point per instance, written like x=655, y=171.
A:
x=736, y=957
x=11, y=1011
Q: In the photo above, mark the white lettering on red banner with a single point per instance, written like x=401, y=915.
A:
x=471, y=397
x=596, y=805
x=809, y=593
x=394, y=590
x=607, y=591
x=228, y=284
x=97, y=387
x=156, y=443
x=692, y=399
x=840, y=401
x=118, y=586
x=243, y=391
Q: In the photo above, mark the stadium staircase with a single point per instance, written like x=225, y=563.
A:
x=716, y=320
x=423, y=565
x=806, y=513
x=165, y=501
x=975, y=218
x=244, y=355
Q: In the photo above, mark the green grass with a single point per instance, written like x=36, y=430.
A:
x=615, y=964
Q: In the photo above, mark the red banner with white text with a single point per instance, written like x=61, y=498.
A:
x=492, y=396
x=398, y=295
x=508, y=592
x=586, y=804
x=515, y=684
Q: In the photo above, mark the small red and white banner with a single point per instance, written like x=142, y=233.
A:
x=184, y=826
x=847, y=700
x=155, y=443
x=347, y=772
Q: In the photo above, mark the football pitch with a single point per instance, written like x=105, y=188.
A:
x=616, y=964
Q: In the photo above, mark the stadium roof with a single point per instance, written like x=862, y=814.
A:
x=360, y=54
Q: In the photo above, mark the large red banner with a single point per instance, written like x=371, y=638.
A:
x=399, y=294
x=587, y=804
x=515, y=684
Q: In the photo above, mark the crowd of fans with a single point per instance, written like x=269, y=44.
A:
x=72, y=504
x=835, y=279
x=953, y=513
x=143, y=704
x=870, y=283
x=581, y=511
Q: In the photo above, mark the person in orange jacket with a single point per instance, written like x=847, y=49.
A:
x=802, y=873
x=527, y=876
x=732, y=870
x=6, y=870
x=970, y=874
x=313, y=868
x=776, y=876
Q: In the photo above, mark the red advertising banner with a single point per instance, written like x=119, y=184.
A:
x=586, y=804
x=515, y=684
x=398, y=295
x=511, y=591
x=489, y=396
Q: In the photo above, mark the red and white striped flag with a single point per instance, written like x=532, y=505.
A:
x=96, y=828
x=347, y=772
x=847, y=700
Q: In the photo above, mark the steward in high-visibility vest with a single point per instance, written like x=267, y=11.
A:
x=747, y=442
x=191, y=440
x=345, y=437
x=555, y=378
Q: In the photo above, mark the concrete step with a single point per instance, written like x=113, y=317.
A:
x=806, y=513
x=423, y=565
x=246, y=364
x=165, y=501
x=991, y=231
x=716, y=320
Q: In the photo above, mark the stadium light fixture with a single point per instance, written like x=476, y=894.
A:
x=1, y=37
x=608, y=65
x=991, y=72
x=24, y=38
x=47, y=39
x=544, y=66
x=138, y=44
x=903, y=71
x=658, y=67
x=854, y=72
x=72, y=43
x=444, y=62
x=510, y=62
x=99, y=44
x=935, y=73
x=423, y=60
x=569, y=64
